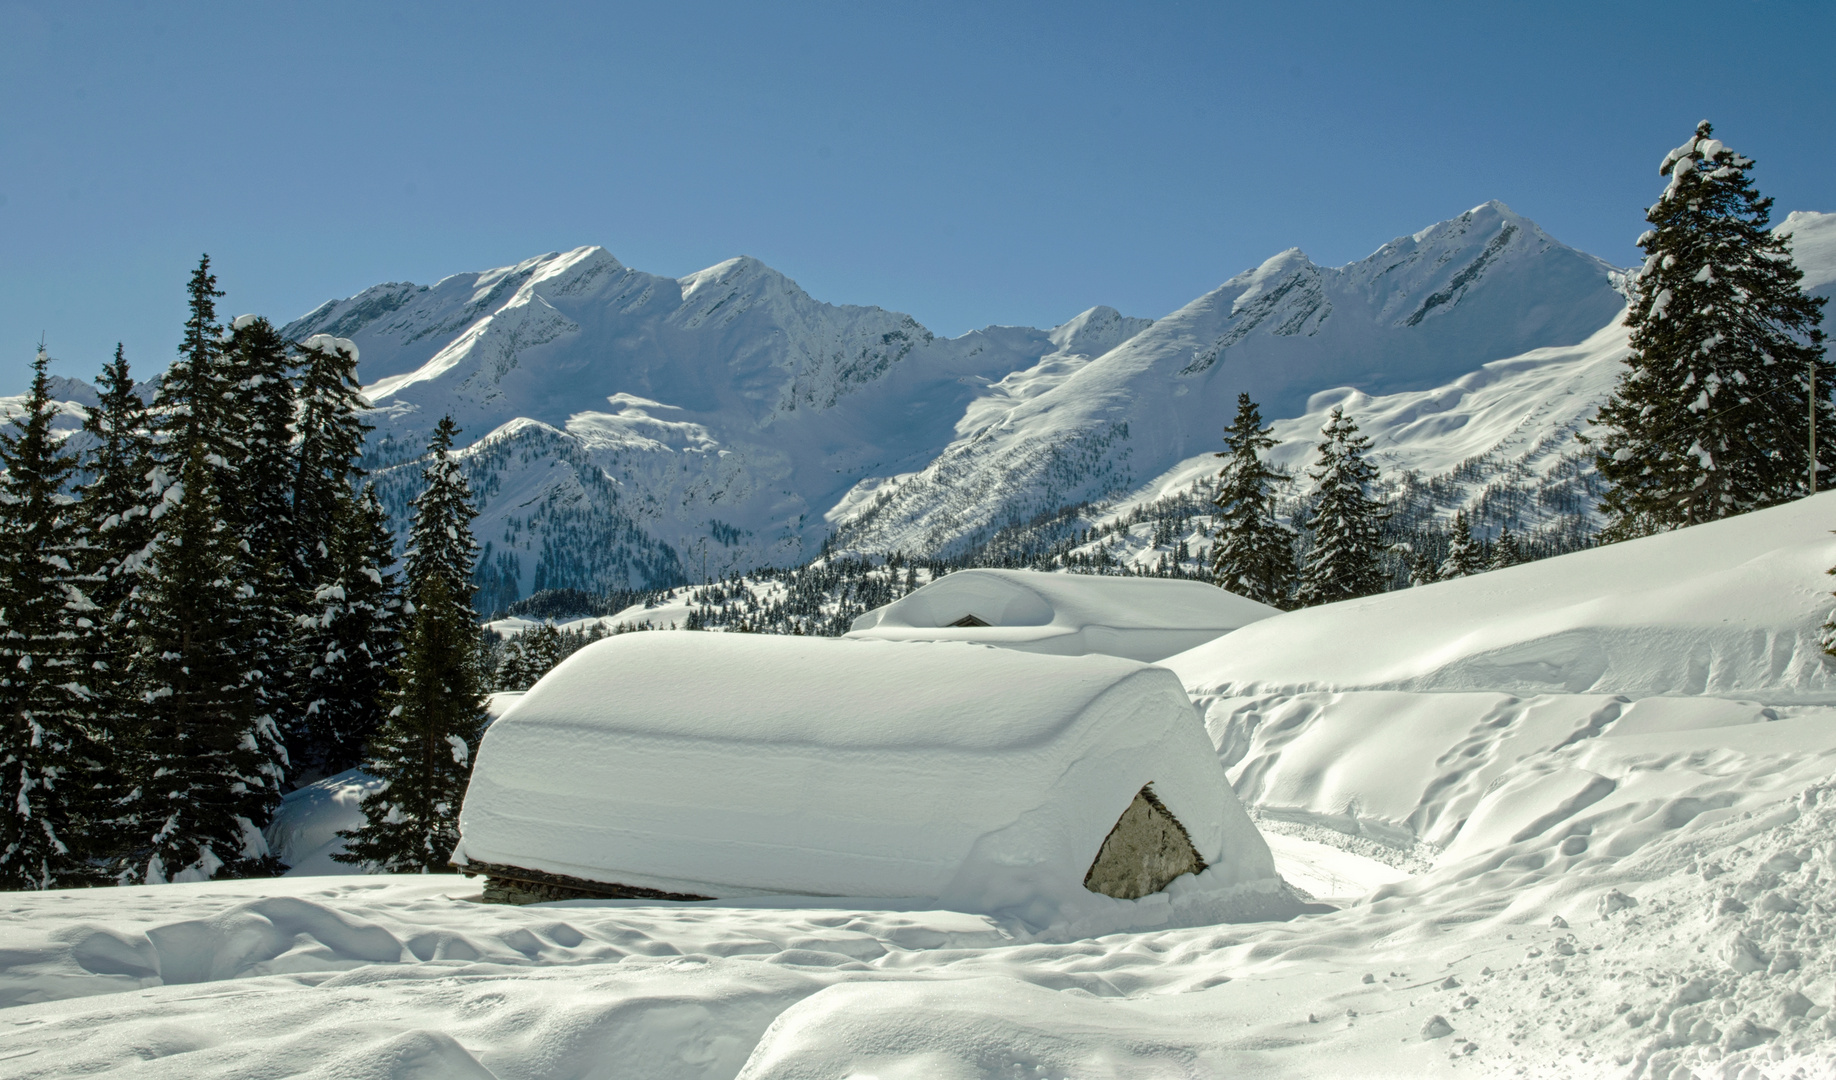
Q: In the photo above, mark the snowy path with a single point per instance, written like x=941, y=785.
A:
x=1327, y=873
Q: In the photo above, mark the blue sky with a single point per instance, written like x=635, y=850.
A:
x=965, y=163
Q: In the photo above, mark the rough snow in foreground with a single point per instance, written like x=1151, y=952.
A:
x=1724, y=960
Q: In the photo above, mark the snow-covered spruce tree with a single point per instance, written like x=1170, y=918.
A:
x=423, y=752
x=49, y=763
x=1464, y=555
x=113, y=513
x=1254, y=553
x=349, y=640
x=1506, y=551
x=259, y=374
x=532, y=654
x=197, y=391
x=202, y=753
x=205, y=769
x=1347, y=523
x=1422, y=569
x=257, y=369
x=340, y=556
x=114, y=494
x=1711, y=415
x=331, y=433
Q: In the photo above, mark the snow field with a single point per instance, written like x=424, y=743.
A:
x=1730, y=608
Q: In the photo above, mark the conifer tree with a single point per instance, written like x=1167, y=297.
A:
x=331, y=434
x=208, y=777
x=48, y=761
x=257, y=378
x=113, y=512
x=349, y=640
x=423, y=752
x=1345, y=559
x=1711, y=415
x=206, y=758
x=533, y=654
x=1254, y=554
x=196, y=392
x=1463, y=552
x=114, y=497
x=1506, y=551
x=1422, y=569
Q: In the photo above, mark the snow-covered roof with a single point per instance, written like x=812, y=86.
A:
x=1068, y=614
x=730, y=765
x=1730, y=607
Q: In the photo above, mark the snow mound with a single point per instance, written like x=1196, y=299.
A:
x=1066, y=614
x=1729, y=608
x=731, y=765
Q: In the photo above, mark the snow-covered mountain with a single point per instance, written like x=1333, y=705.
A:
x=632, y=427
x=1508, y=424
x=708, y=420
x=1420, y=311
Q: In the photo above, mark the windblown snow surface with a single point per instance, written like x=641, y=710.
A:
x=1580, y=814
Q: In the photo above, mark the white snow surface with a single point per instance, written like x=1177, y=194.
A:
x=1139, y=618
x=1730, y=608
x=733, y=765
x=1554, y=884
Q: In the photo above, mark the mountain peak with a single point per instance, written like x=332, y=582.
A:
x=1096, y=331
x=732, y=271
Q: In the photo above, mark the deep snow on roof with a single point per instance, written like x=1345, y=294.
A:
x=731, y=765
x=1728, y=607
x=1137, y=617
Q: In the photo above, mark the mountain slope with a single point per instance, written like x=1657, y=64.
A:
x=1421, y=310
x=725, y=410
x=1499, y=441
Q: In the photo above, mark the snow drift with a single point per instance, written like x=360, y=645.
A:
x=725, y=765
x=1065, y=614
x=1728, y=608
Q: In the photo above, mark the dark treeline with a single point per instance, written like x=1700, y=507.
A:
x=200, y=610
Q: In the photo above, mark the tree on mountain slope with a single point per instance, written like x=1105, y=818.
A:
x=1254, y=553
x=1711, y=416
x=1506, y=551
x=1346, y=523
x=1464, y=556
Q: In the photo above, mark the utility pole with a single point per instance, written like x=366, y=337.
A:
x=1813, y=427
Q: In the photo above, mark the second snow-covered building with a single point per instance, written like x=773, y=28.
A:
x=1141, y=618
x=706, y=765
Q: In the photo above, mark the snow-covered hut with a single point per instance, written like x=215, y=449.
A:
x=714, y=766
x=1141, y=618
